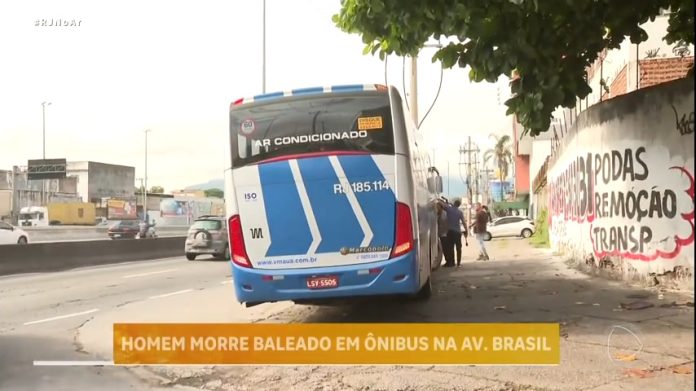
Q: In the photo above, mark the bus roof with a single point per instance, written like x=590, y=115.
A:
x=310, y=91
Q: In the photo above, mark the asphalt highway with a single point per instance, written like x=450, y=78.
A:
x=41, y=313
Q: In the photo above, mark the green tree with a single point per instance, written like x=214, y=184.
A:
x=501, y=153
x=215, y=193
x=546, y=44
x=157, y=189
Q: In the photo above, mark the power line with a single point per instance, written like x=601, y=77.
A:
x=439, y=88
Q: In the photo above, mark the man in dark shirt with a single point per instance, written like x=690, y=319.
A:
x=479, y=226
x=455, y=220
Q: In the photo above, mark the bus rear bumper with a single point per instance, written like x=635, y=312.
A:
x=391, y=277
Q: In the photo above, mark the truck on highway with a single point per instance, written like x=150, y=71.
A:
x=58, y=213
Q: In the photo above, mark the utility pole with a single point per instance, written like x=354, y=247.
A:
x=414, y=83
x=448, y=179
x=414, y=89
x=43, y=181
x=470, y=173
x=145, y=197
x=263, y=67
x=477, y=178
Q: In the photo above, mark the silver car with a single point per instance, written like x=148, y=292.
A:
x=207, y=235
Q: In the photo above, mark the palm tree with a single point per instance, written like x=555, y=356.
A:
x=501, y=153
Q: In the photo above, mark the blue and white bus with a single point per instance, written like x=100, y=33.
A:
x=330, y=195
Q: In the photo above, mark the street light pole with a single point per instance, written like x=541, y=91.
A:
x=43, y=117
x=263, y=69
x=142, y=193
x=145, y=196
x=43, y=108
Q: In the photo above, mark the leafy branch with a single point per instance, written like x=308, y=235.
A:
x=548, y=44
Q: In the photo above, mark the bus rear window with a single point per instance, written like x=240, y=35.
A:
x=297, y=125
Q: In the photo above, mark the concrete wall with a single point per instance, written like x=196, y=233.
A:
x=53, y=257
x=621, y=182
x=110, y=180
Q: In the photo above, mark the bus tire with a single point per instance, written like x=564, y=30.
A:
x=426, y=291
x=190, y=257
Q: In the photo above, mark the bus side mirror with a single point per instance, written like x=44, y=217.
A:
x=435, y=184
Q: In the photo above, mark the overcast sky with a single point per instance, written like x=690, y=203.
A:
x=174, y=67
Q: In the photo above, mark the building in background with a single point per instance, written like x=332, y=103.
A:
x=189, y=193
x=154, y=200
x=17, y=191
x=110, y=187
x=92, y=182
x=99, y=181
x=635, y=66
x=182, y=211
x=6, y=180
x=530, y=155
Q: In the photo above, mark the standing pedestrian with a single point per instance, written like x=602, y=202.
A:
x=455, y=222
x=442, y=229
x=479, y=226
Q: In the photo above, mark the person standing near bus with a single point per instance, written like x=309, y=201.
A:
x=442, y=229
x=479, y=226
x=455, y=221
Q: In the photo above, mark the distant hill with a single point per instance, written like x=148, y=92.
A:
x=211, y=184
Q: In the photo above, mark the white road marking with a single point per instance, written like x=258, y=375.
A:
x=171, y=294
x=227, y=282
x=61, y=317
x=49, y=363
x=149, y=273
x=307, y=206
x=353, y=201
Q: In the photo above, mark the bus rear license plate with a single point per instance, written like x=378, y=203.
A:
x=322, y=282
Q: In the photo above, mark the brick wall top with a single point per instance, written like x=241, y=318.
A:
x=660, y=70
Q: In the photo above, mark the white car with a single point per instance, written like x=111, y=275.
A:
x=510, y=226
x=12, y=235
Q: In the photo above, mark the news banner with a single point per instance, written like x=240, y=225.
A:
x=337, y=343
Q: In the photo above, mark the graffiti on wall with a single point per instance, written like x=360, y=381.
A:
x=632, y=201
x=685, y=124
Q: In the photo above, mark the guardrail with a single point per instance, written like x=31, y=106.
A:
x=59, y=256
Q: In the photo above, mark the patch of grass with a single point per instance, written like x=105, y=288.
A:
x=540, y=239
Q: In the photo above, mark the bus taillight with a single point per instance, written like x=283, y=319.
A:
x=404, y=231
x=237, y=247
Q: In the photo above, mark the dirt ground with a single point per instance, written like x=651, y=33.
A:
x=601, y=326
